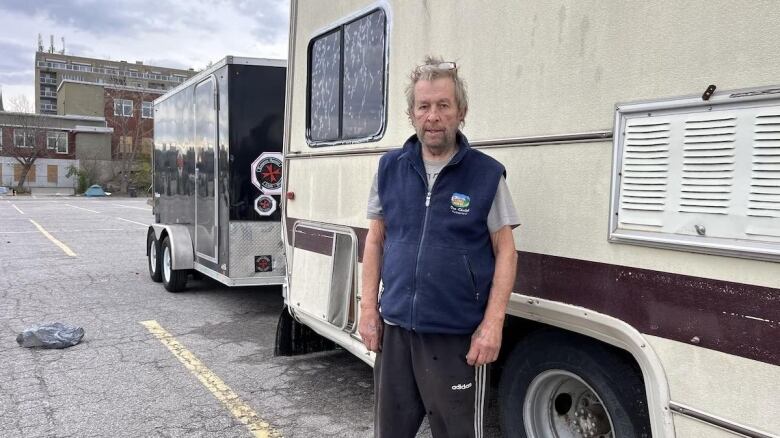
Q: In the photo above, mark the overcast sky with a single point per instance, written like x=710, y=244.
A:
x=166, y=33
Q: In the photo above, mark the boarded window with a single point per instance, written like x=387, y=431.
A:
x=51, y=173
x=146, y=145
x=346, y=82
x=125, y=144
x=18, y=173
x=703, y=176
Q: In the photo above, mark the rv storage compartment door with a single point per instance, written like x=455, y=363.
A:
x=700, y=175
x=323, y=272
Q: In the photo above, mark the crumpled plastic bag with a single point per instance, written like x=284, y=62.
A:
x=52, y=335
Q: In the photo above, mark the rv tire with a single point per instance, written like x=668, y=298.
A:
x=173, y=279
x=563, y=384
x=153, y=257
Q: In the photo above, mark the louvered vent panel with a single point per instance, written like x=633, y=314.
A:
x=708, y=164
x=645, y=166
x=764, y=198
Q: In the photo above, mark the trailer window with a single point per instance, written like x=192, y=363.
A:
x=346, y=82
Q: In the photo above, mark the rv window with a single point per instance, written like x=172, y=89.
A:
x=346, y=89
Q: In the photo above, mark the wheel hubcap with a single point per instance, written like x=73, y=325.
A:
x=153, y=256
x=559, y=404
x=167, y=263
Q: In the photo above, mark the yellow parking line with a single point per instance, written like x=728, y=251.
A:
x=62, y=246
x=240, y=410
x=17, y=208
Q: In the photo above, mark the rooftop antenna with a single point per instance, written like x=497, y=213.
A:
x=62, y=51
x=40, y=43
x=51, y=43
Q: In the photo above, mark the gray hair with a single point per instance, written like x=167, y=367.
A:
x=430, y=73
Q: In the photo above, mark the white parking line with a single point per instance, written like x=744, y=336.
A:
x=134, y=222
x=65, y=231
x=17, y=208
x=82, y=208
x=137, y=208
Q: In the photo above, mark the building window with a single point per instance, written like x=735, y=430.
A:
x=1, y=139
x=123, y=107
x=24, y=138
x=58, y=141
x=346, y=82
x=147, y=110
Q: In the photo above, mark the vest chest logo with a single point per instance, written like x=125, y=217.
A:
x=459, y=204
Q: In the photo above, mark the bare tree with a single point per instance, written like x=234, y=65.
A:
x=128, y=111
x=28, y=137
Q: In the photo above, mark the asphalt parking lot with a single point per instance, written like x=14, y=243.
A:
x=123, y=380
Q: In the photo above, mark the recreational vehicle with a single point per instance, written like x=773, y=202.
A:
x=641, y=142
x=217, y=176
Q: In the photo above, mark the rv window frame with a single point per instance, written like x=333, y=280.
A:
x=340, y=26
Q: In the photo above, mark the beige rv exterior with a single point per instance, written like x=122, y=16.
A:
x=545, y=80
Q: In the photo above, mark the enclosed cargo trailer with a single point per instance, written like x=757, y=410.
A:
x=217, y=176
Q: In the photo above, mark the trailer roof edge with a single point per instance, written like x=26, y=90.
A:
x=228, y=60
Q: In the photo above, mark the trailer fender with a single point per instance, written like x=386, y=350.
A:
x=183, y=254
x=611, y=331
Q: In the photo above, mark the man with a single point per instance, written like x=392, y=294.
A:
x=440, y=239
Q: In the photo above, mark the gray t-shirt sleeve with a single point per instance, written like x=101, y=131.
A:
x=502, y=212
x=374, y=206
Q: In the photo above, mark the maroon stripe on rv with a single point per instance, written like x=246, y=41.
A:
x=310, y=239
x=734, y=318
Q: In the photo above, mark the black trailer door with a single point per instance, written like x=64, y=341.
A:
x=206, y=170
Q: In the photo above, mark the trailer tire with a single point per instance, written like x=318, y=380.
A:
x=154, y=262
x=173, y=279
x=563, y=384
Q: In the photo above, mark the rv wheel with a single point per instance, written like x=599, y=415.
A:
x=559, y=384
x=153, y=251
x=173, y=279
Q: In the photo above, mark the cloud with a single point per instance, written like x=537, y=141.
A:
x=16, y=63
x=167, y=33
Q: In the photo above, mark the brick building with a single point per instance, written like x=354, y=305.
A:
x=50, y=144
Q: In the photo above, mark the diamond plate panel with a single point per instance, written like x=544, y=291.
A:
x=250, y=239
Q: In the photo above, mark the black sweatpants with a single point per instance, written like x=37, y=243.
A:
x=419, y=374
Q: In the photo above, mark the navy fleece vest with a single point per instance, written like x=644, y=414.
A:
x=438, y=263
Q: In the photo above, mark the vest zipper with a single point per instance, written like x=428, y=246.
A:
x=419, y=254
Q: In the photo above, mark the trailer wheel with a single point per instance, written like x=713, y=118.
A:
x=154, y=261
x=173, y=279
x=558, y=384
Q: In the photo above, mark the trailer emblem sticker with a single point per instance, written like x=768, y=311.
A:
x=267, y=173
x=265, y=205
x=459, y=203
x=263, y=263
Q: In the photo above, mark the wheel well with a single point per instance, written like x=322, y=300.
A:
x=517, y=329
x=163, y=235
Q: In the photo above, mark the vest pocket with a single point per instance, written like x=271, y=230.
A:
x=471, y=275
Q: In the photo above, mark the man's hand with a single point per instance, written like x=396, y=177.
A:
x=485, y=343
x=370, y=329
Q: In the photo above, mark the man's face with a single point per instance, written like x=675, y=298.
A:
x=435, y=113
